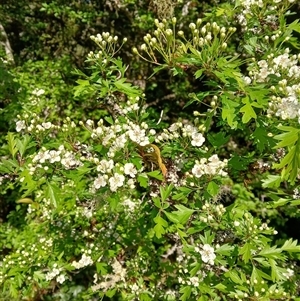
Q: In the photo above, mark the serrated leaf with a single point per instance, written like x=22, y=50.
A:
x=156, y=174
x=271, y=252
x=225, y=249
x=11, y=144
x=24, y=144
x=160, y=226
x=143, y=180
x=52, y=193
x=233, y=275
x=186, y=293
x=218, y=139
x=245, y=251
x=165, y=191
x=126, y=88
x=291, y=246
x=248, y=111
x=272, y=181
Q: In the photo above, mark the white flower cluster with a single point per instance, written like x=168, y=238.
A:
x=131, y=205
x=38, y=92
x=288, y=106
x=117, y=179
x=65, y=157
x=110, y=281
x=207, y=253
x=282, y=65
x=116, y=135
x=53, y=273
x=296, y=194
x=285, y=101
x=83, y=262
x=21, y=125
x=185, y=130
x=211, y=166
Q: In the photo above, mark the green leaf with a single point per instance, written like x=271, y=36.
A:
x=198, y=73
x=291, y=246
x=24, y=144
x=126, y=88
x=111, y=293
x=186, y=293
x=109, y=119
x=156, y=174
x=101, y=268
x=8, y=166
x=271, y=252
x=245, y=251
x=11, y=144
x=38, y=275
x=272, y=181
x=229, y=111
x=165, y=191
x=225, y=249
x=218, y=139
x=143, y=180
x=233, y=275
x=181, y=216
x=277, y=273
x=212, y=188
x=52, y=192
x=160, y=226
x=248, y=111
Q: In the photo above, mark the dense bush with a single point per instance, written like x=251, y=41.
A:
x=170, y=169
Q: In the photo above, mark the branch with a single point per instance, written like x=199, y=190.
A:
x=5, y=42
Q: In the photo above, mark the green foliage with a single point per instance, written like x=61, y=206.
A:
x=125, y=183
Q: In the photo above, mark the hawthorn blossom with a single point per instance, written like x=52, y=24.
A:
x=105, y=166
x=197, y=139
x=20, y=125
x=61, y=279
x=208, y=254
x=54, y=156
x=129, y=169
x=116, y=181
x=100, y=181
x=84, y=261
x=38, y=92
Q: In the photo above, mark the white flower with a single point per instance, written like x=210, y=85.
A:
x=129, y=169
x=130, y=204
x=189, y=129
x=136, y=134
x=47, y=125
x=85, y=260
x=208, y=254
x=61, y=278
x=100, y=182
x=116, y=181
x=38, y=92
x=195, y=281
x=105, y=166
x=198, y=171
x=134, y=287
x=20, y=125
x=54, y=156
x=197, y=139
x=290, y=273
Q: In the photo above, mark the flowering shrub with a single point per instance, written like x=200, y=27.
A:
x=134, y=208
